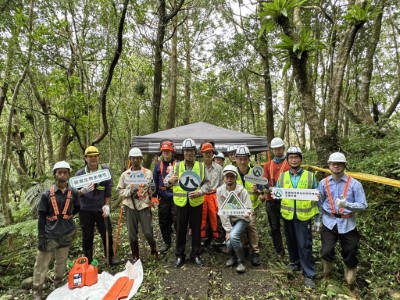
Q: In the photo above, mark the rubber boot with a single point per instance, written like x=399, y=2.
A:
x=165, y=248
x=350, y=275
x=135, y=251
x=37, y=292
x=153, y=247
x=240, y=256
x=232, y=260
x=328, y=268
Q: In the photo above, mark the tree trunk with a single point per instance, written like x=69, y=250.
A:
x=188, y=75
x=173, y=76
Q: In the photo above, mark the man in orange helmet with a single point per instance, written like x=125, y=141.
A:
x=166, y=207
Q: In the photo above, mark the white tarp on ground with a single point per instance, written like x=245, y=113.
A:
x=200, y=132
x=104, y=283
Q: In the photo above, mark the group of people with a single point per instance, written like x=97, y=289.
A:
x=194, y=211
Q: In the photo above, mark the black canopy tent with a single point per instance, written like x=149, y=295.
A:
x=200, y=132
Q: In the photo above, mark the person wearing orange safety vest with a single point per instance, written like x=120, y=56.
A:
x=56, y=228
x=166, y=206
x=341, y=197
x=272, y=171
x=297, y=217
x=243, y=165
x=136, y=198
x=189, y=205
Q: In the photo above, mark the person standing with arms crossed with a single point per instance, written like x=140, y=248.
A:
x=272, y=171
x=341, y=197
x=95, y=208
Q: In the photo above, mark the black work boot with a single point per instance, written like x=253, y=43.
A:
x=255, y=259
x=135, y=251
x=153, y=247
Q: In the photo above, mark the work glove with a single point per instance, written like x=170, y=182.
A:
x=316, y=226
x=42, y=243
x=87, y=188
x=106, y=210
x=341, y=202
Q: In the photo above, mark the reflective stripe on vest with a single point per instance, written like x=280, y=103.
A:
x=55, y=206
x=249, y=188
x=305, y=210
x=180, y=195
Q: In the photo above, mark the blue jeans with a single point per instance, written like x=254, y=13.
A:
x=299, y=243
x=236, y=231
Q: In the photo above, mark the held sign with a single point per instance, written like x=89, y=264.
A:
x=256, y=180
x=232, y=206
x=136, y=177
x=295, y=194
x=93, y=177
x=257, y=171
x=189, y=181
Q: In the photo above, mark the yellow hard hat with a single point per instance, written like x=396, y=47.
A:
x=91, y=150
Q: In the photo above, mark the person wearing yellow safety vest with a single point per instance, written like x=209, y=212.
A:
x=56, y=227
x=297, y=216
x=189, y=205
x=95, y=208
x=137, y=203
x=242, y=161
x=341, y=197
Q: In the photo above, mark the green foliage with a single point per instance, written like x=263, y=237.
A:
x=279, y=8
x=305, y=44
x=26, y=228
x=358, y=15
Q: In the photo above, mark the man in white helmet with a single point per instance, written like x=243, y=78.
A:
x=189, y=204
x=137, y=203
x=272, y=171
x=219, y=158
x=232, y=154
x=56, y=227
x=297, y=217
x=341, y=197
x=244, y=168
x=234, y=225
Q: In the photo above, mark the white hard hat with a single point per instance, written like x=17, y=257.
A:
x=61, y=165
x=135, y=152
x=242, y=151
x=230, y=169
x=188, y=144
x=219, y=155
x=276, y=143
x=231, y=148
x=294, y=150
x=337, y=157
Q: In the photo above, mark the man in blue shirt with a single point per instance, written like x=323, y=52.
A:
x=341, y=197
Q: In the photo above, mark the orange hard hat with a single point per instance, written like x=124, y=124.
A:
x=206, y=147
x=167, y=146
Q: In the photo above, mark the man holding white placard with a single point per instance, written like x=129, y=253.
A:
x=134, y=186
x=297, y=216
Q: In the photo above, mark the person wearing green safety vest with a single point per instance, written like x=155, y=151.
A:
x=189, y=205
x=242, y=161
x=297, y=216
